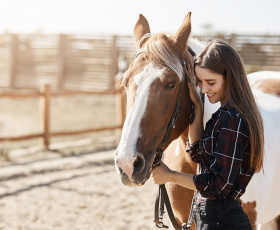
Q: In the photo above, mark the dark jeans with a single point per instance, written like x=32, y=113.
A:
x=220, y=214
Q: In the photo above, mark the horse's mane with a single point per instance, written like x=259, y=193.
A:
x=197, y=45
x=158, y=49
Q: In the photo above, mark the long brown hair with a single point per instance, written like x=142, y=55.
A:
x=221, y=58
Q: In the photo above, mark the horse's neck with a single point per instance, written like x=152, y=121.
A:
x=188, y=166
x=176, y=155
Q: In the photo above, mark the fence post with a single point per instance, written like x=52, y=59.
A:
x=45, y=111
x=233, y=41
x=120, y=103
x=114, y=62
x=13, y=59
x=120, y=97
x=61, y=61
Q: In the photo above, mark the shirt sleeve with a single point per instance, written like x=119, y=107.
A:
x=193, y=150
x=228, y=156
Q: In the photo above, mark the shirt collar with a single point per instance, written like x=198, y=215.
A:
x=224, y=107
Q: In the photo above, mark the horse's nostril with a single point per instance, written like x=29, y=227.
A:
x=139, y=164
x=123, y=174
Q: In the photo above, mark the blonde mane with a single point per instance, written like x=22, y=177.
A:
x=158, y=49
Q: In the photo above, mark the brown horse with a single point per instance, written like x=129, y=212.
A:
x=270, y=86
x=266, y=82
x=152, y=85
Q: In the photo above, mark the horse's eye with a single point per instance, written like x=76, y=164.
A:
x=170, y=85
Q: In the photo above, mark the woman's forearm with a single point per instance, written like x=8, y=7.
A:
x=196, y=128
x=183, y=179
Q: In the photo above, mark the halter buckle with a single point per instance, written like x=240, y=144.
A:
x=161, y=225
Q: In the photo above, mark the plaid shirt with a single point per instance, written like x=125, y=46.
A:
x=224, y=154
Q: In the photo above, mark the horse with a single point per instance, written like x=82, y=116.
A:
x=266, y=87
x=152, y=83
x=266, y=82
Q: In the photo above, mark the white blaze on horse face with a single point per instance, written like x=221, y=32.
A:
x=131, y=129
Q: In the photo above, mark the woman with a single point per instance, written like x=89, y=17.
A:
x=230, y=149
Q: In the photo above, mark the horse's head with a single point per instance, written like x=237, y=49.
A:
x=152, y=83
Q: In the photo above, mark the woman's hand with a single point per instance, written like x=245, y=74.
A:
x=192, y=87
x=161, y=174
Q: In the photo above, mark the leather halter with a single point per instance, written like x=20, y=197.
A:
x=174, y=117
x=176, y=112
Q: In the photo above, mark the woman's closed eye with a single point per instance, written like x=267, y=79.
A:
x=198, y=80
x=211, y=83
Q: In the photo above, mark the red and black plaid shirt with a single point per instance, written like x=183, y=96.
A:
x=224, y=154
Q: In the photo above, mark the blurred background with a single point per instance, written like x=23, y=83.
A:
x=83, y=45
x=61, y=62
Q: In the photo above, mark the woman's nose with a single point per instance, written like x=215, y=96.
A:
x=204, y=88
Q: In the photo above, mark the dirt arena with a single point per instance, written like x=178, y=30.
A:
x=79, y=192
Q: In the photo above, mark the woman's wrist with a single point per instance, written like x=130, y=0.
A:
x=198, y=106
x=171, y=176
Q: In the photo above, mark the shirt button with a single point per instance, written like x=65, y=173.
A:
x=218, y=223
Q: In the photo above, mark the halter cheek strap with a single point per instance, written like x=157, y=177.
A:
x=174, y=118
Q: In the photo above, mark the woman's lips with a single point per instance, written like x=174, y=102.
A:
x=210, y=95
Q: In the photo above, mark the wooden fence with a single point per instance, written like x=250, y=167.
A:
x=259, y=52
x=80, y=64
x=89, y=63
x=45, y=94
x=66, y=62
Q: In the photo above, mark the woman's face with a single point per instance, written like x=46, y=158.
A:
x=212, y=84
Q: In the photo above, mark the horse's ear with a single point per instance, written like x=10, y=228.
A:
x=181, y=37
x=141, y=28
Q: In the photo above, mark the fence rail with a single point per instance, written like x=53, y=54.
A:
x=89, y=62
x=45, y=94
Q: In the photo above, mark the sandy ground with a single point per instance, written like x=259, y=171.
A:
x=78, y=192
